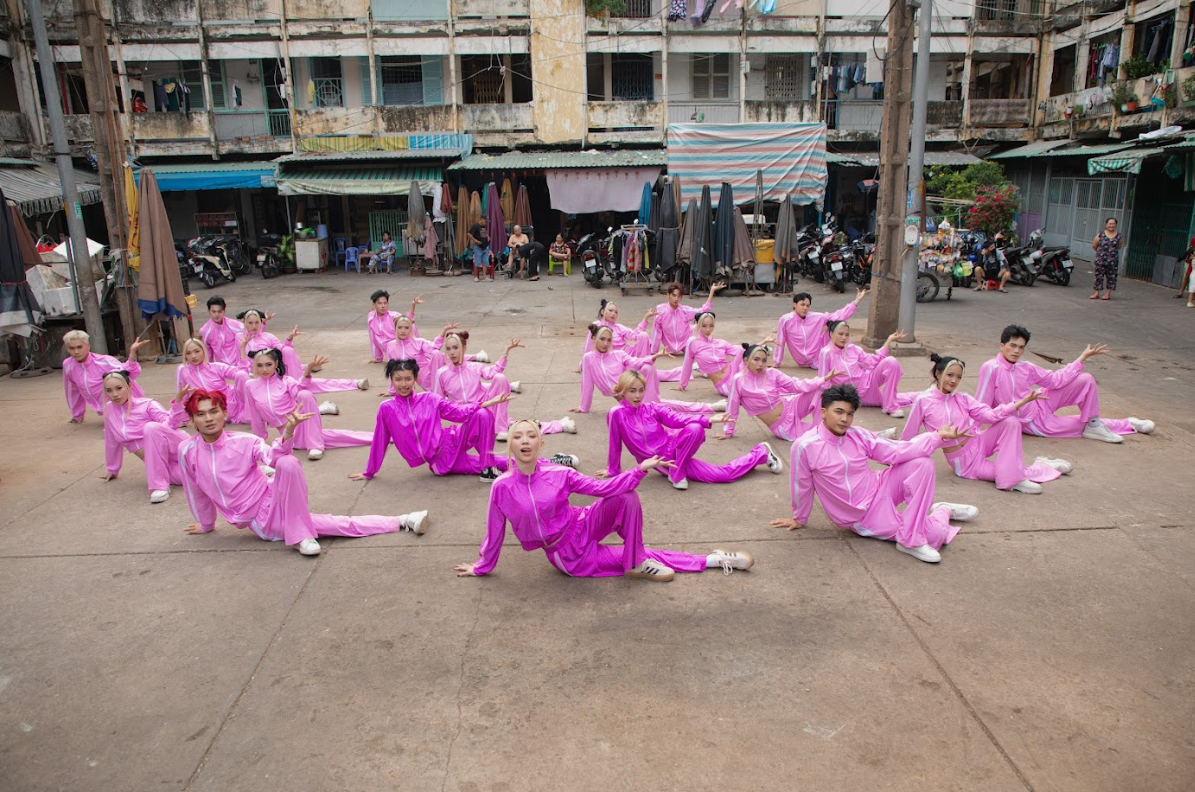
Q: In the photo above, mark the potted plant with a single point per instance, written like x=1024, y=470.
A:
x=604, y=8
x=1125, y=98
x=1189, y=88
x=1137, y=67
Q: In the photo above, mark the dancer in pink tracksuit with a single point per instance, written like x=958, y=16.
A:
x=875, y=376
x=831, y=462
x=803, y=334
x=379, y=323
x=786, y=404
x=1006, y=378
x=412, y=421
x=409, y=346
x=199, y=373
x=602, y=367
x=533, y=497
x=710, y=355
x=272, y=395
x=143, y=428
x=255, y=338
x=944, y=405
x=83, y=374
x=222, y=475
x=674, y=325
x=636, y=343
x=650, y=430
x=221, y=334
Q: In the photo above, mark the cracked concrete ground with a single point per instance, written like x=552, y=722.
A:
x=1050, y=650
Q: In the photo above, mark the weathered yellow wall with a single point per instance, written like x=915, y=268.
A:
x=558, y=68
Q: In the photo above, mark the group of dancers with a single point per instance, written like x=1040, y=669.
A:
x=447, y=408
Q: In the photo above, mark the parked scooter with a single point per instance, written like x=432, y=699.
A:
x=1019, y=263
x=1050, y=262
x=268, y=260
x=209, y=261
x=593, y=265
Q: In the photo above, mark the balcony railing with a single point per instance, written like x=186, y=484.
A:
x=777, y=111
x=497, y=118
x=169, y=126
x=944, y=114
x=703, y=113
x=492, y=8
x=1000, y=112
x=638, y=9
x=252, y=124
x=854, y=116
x=625, y=115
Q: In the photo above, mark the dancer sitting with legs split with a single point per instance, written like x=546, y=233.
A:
x=602, y=367
x=803, y=333
x=787, y=405
x=875, y=376
x=533, y=496
x=674, y=325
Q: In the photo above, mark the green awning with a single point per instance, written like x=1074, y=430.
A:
x=1029, y=150
x=1097, y=150
x=35, y=188
x=1123, y=162
x=371, y=180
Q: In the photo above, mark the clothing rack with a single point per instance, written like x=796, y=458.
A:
x=640, y=277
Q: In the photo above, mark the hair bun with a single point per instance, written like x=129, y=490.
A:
x=746, y=347
x=935, y=357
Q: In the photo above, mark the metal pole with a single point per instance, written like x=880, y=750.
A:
x=908, y=272
x=81, y=275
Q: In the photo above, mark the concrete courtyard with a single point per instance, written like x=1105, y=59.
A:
x=1052, y=649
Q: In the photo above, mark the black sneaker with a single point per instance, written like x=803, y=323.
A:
x=568, y=460
x=489, y=474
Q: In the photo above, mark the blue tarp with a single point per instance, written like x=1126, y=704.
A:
x=214, y=176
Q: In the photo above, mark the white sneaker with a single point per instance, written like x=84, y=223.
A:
x=269, y=471
x=651, y=570
x=329, y=408
x=775, y=464
x=1028, y=487
x=309, y=547
x=516, y=386
x=362, y=384
x=719, y=406
x=315, y=454
x=899, y=414
x=477, y=280
x=683, y=484
x=159, y=496
x=415, y=522
x=1095, y=430
x=501, y=437
x=924, y=553
x=1142, y=425
x=1061, y=465
x=888, y=434
x=482, y=357
x=731, y=560
x=568, y=425
x=959, y=512
x=568, y=460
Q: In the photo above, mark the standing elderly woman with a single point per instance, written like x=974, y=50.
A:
x=1107, y=260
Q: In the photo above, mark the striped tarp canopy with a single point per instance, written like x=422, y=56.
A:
x=1122, y=161
x=357, y=180
x=792, y=158
x=36, y=190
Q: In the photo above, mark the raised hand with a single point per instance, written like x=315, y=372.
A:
x=651, y=314
x=769, y=340
x=1034, y=395
x=181, y=396
x=294, y=332
x=317, y=363
x=788, y=523
x=515, y=343
x=861, y=294
x=1093, y=350
x=448, y=328
x=654, y=462
x=417, y=301
x=269, y=315
x=832, y=374
x=499, y=399
x=717, y=287
x=136, y=346
x=949, y=432
x=292, y=420
x=464, y=570
x=899, y=335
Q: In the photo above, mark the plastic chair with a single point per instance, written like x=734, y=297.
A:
x=340, y=246
x=566, y=265
x=350, y=257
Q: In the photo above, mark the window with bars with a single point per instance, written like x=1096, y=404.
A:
x=487, y=78
x=632, y=78
x=997, y=10
x=711, y=76
x=784, y=77
x=328, y=79
x=191, y=73
x=402, y=80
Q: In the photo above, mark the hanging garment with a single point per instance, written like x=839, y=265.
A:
x=709, y=9
x=677, y=10
x=160, y=97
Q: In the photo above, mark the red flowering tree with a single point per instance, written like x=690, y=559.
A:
x=993, y=210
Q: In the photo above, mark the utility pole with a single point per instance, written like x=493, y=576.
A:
x=80, y=262
x=916, y=205
x=884, y=306
x=110, y=152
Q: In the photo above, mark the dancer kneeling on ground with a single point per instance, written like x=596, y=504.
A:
x=786, y=404
x=656, y=430
x=533, y=497
x=944, y=405
x=83, y=374
x=601, y=368
x=831, y=462
x=1005, y=378
x=874, y=376
x=222, y=474
x=412, y=421
x=144, y=428
x=272, y=395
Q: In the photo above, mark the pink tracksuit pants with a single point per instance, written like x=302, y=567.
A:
x=1082, y=391
x=683, y=446
x=1008, y=469
x=878, y=387
x=160, y=449
x=580, y=554
x=312, y=435
x=796, y=418
x=475, y=434
x=911, y=483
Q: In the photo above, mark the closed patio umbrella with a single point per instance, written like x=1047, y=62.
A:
x=684, y=253
x=29, y=254
x=523, y=207
x=430, y=240
x=450, y=247
x=667, y=232
x=130, y=198
x=743, y=253
x=474, y=208
x=723, y=251
x=495, y=220
x=702, y=255
x=160, y=289
x=645, y=204
x=415, y=212
x=463, y=220
x=507, y=199
x=19, y=312
x=786, y=242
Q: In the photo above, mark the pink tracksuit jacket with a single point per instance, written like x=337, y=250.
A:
x=656, y=429
x=674, y=327
x=855, y=496
x=636, y=343
x=414, y=425
x=875, y=375
x=143, y=425
x=222, y=342
x=225, y=478
x=710, y=355
x=466, y=384
x=294, y=366
x=759, y=393
x=426, y=353
x=539, y=513
x=1001, y=382
x=602, y=371
x=935, y=409
x=84, y=382
x=804, y=338
x=229, y=380
x=381, y=331
x=270, y=399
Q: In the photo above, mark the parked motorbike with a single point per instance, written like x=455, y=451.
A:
x=268, y=260
x=1050, y=262
x=1019, y=264
x=594, y=262
x=209, y=260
